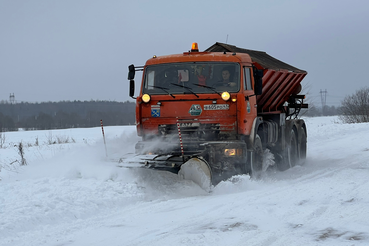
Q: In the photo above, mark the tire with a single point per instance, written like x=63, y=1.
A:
x=302, y=146
x=290, y=155
x=292, y=150
x=257, y=158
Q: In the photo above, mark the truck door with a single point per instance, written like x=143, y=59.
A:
x=249, y=110
x=249, y=91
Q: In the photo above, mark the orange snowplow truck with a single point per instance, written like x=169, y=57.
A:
x=224, y=106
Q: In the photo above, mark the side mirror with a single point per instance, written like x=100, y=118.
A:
x=131, y=88
x=258, y=78
x=131, y=72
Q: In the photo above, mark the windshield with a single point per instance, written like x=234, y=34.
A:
x=192, y=78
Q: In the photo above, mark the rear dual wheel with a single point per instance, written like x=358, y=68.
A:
x=302, y=146
x=292, y=150
x=290, y=155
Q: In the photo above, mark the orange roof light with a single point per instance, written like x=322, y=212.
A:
x=195, y=47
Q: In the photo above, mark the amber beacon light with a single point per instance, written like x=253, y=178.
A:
x=195, y=47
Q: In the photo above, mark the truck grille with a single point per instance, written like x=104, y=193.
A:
x=193, y=131
x=193, y=135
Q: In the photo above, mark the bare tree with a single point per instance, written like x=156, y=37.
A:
x=23, y=161
x=355, y=108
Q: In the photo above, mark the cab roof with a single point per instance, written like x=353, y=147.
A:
x=200, y=57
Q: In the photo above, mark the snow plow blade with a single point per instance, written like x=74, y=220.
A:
x=198, y=171
x=195, y=169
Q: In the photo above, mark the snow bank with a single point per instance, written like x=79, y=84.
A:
x=72, y=194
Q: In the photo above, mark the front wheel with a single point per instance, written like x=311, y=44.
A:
x=257, y=158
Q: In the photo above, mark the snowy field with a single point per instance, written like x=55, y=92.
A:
x=70, y=193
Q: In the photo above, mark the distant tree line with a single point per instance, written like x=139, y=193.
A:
x=80, y=114
x=65, y=114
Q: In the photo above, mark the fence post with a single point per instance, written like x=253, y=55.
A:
x=102, y=129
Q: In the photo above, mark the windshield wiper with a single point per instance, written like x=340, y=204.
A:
x=162, y=88
x=188, y=88
x=208, y=87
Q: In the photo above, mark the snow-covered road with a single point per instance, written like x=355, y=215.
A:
x=70, y=194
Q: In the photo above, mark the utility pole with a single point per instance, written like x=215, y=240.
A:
x=12, y=98
x=323, y=97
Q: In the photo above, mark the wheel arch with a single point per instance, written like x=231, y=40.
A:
x=256, y=128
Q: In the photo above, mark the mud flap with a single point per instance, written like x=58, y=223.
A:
x=198, y=171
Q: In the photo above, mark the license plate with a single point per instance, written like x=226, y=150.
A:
x=189, y=124
x=216, y=107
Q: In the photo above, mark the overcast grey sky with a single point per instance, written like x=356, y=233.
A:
x=80, y=50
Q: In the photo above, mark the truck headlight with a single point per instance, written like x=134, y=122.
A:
x=226, y=96
x=145, y=98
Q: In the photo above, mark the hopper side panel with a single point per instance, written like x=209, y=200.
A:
x=298, y=82
x=268, y=83
x=285, y=91
x=272, y=93
x=267, y=76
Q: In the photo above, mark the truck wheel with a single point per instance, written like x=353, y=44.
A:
x=289, y=155
x=257, y=158
x=302, y=145
x=292, y=154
